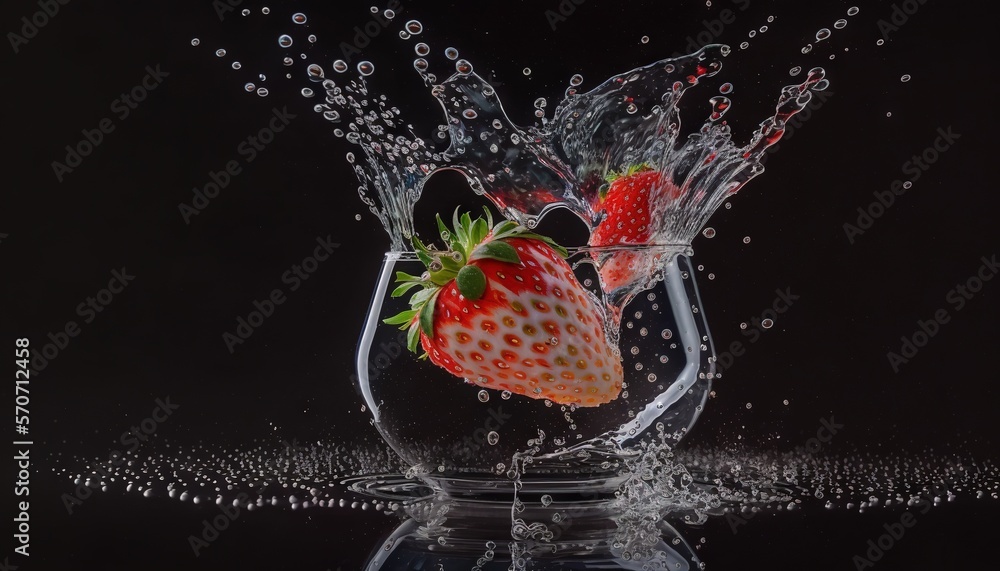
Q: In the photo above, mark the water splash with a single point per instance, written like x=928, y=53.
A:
x=631, y=118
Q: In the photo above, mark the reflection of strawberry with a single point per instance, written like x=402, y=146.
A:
x=627, y=201
x=502, y=309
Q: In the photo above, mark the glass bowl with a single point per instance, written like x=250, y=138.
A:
x=453, y=430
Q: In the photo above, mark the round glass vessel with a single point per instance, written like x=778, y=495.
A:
x=450, y=429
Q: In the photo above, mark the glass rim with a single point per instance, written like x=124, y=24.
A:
x=685, y=249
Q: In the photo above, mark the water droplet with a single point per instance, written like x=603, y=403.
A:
x=631, y=108
x=262, y=91
x=505, y=395
x=749, y=406
x=744, y=45
x=879, y=42
x=195, y=42
x=822, y=34
x=220, y=52
x=795, y=71
x=420, y=64
x=315, y=71
x=905, y=78
x=526, y=71
x=752, y=34
x=306, y=92
x=708, y=232
x=389, y=14
x=288, y=61
x=469, y=114
x=366, y=68
x=767, y=323
x=666, y=334
x=807, y=48
x=265, y=10
x=451, y=53
x=746, y=239
x=483, y=396
x=249, y=87
x=245, y=12
x=763, y=29
x=907, y=184
x=852, y=11
x=576, y=80
x=644, y=39
x=493, y=438
x=888, y=113
x=414, y=27
x=299, y=18
x=726, y=88
x=840, y=24
x=785, y=402
x=422, y=49
x=463, y=67
x=357, y=217
x=284, y=40
x=311, y=38
x=340, y=66
x=237, y=65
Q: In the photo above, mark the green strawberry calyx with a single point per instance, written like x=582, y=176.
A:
x=467, y=241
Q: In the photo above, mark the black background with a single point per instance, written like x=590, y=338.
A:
x=162, y=336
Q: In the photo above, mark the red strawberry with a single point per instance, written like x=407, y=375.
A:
x=504, y=310
x=627, y=202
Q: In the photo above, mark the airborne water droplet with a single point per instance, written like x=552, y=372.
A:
x=195, y=42
x=767, y=323
x=340, y=66
x=451, y=53
x=644, y=39
x=306, y=92
x=807, y=48
x=853, y=10
x=576, y=80
x=905, y=78
x=526, y=71
x=840, y=24
x=422, y=49
x=299, y=18
x=366, y=68
x=708, y=232
x=220, y=52
x=237, y=65
x=249, y=87
x=262, y=91
x=284, y=40
x=414, y=27
x=493, y=438
x=794, y=71
x=822, y=34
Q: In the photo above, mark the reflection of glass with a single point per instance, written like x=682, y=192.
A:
x=442, y=425
x=465, y=525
